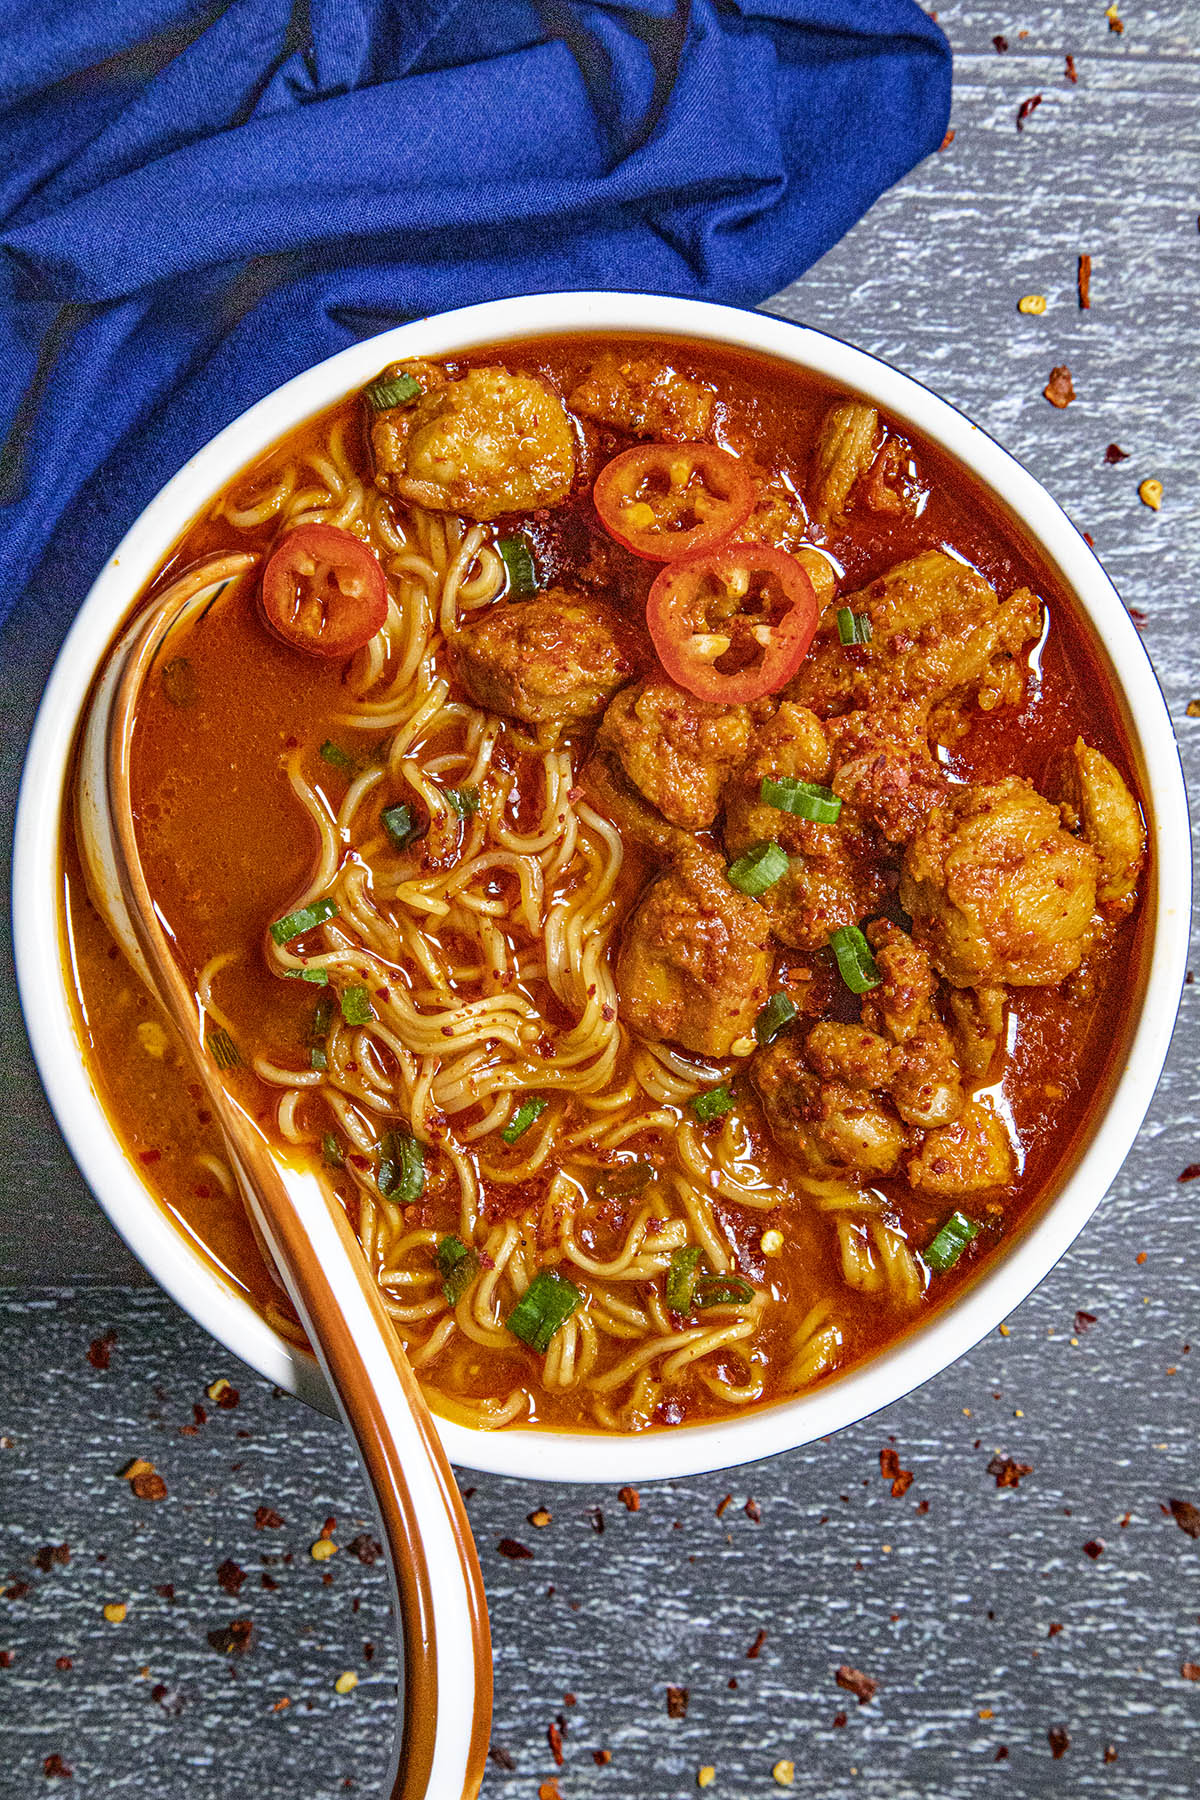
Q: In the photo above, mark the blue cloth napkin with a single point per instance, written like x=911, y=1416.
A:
x=200, y=200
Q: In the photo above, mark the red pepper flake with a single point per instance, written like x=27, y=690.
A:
x=16, y=1590
x=1026, y=107
x=630, y=1499
x=1084, y=280
x=753, y=1511
x=1071, y=72
x=149, y=1485
x=1001, y=44
x=922, y=1507
x=1060, y=1742
x=64, y=1663
x=1060, y=389
x=601, y=1758
x=54, y=1765
x=199, y=1416
x=839, y=1721
x=597, y=1517
x=165, y=1590
x=225, y=1395
x=1115, y=454
x=947, y=140
x=677, y=1702
x=513, y=1550
x=856, y=1683
x=1110, y=1753
x=1190, y=1173
x=1007, y=1472
x=550, y=1790
x=502, y=1758
x=366, y=1548
x=554, y=1738
x=756, y=1647
x=724, y=1505
x=889, y=1468
x=232, y=1639
x=6, y=1659
x=231, y=1575
x=1001, y=1754
x=1115, y=23
x=1190, y=1671
x=99, y=1351
x=1054, y=1629
x=1186, y=1516
x=49, y=1554
x=1140, y=1258
x=1094, y=1548
x=267, y=1519
x=1085, y=1320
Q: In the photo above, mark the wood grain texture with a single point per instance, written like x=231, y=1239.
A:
x=949, y=1609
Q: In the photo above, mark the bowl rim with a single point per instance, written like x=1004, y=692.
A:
x=186, y=1273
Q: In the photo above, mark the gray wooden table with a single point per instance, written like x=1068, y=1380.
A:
x=1028, y=1640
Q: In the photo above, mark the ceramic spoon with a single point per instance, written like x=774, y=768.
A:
x=446, y=1668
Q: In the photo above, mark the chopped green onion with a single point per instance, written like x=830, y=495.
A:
x=713, y=1103
x=761, y=867
x=356, y=1006
x=853, y=628
x=465, y=801
x=805, y=799
x=625, y=1178
x=681, y=1278
x=318, y=1058
x=777, y=1013
x=303, y=919
x=331, y=1151
x=517, y=556
x=401, y=1167
x=856, y=965
x=338, y=759
x=721, y=1290
x=547, y=1303
x=397, y=390
x=400, y=825
x=221, y=1048
x=318, y=977
x=950, y=1242
x=526, y=1113
x=457, y=1267
x=318, y=1030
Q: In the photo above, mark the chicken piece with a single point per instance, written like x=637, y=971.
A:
x=1111, y=821
x=998, y=891
x=834, y=875
x=491, y=442
x=608, y=788
x=977, y=1026
x=695, y=959
x=884, y=771
x=926, y=1082
x=552, y=661
x=677, y=750
x=971, y=1156
x=856, y=1057
x=937, y=629
x=646, y=396
x=845, y=449
x=830, y=1127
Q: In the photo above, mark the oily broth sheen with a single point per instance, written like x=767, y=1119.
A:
x=227, y=848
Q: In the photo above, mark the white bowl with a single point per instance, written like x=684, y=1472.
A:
x=176, y=1263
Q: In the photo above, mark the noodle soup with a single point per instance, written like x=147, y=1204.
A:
x=689, y=929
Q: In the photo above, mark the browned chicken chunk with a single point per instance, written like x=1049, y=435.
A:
x=491, y=442
x=883, y=769
x=926, y=1083
x=644, y=395
x=1110, y=819
x=846, y=447
x=829, y=1116
x=695, y=960
x=834, y=874
x=971, y=1156
x=937, y=629
x=551, y=661
x=677, y=750
x=998, y=890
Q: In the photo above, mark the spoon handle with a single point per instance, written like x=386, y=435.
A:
x=442, y=1734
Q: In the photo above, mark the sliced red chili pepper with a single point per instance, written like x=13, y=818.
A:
x=667, y=501
x=324, y=591
x=735, y=624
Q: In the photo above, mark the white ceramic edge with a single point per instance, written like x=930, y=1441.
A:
x=164, y=1250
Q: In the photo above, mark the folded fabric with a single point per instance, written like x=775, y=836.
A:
x=200, y=200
